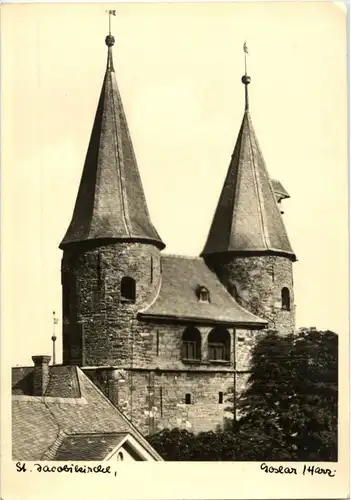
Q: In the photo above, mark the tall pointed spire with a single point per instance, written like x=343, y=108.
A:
x=110, y=203
x=247, y=217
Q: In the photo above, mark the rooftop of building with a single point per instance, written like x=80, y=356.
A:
x=179, y=296
x=73, y=419
x=111, y=202
x=247, y=217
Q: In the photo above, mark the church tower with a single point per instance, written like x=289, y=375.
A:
x=111, y=251
x=247, y=245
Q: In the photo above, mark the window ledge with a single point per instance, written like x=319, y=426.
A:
x=191, y=361
x=224, y=362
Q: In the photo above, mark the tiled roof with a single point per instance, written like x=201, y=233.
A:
x=22, y=380
x=111, y=202
x=63, y=382
x=34, y=430
x=177, y=298
x=88, y=446
x=247, y=217
x=40, y=424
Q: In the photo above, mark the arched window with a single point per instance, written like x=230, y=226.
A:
x=219, y=345
x=191, y=344
x=285, y=299
x=128, y=289
x=120, y=456
x=203, y=294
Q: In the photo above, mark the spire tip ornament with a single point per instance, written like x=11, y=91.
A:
x=245, y=78
x=53, y=338
x=110, y=41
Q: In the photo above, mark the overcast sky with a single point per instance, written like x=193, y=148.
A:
x=179, y=68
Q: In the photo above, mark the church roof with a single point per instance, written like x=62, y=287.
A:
x=110, y=202
x=178, y=298
x=88, y=446
x=73, y=408
x=247, y=217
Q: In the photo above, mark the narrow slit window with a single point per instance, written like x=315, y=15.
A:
x=157, y=343
x=285, y=299
x=220, y=398
x=188, y=399
x=99, y=274
x=161, y=402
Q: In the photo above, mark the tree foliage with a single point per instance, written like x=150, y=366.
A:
x=287, y=412
x=293, y=389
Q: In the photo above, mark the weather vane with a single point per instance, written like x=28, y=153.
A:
x=110, y=13
x=246, y=52
x=53, y=338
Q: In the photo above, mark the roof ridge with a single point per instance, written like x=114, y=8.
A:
x=91, y=434
x=258, y=187
x=74, y=370
x=237, y=180
x=118, y=151
x=20, y=367
x=50, y=453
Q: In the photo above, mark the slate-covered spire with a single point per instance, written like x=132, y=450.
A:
x=247, y=217
x=110, y=204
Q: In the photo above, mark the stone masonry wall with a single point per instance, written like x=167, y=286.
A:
x=92, y=303
x=154, y=398
x=138, y=364
x=256, y=282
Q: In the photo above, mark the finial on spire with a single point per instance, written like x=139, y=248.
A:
x=246, y=79
x=110, y=41
x=53, y=338
x=110, y=13
x=246, y=52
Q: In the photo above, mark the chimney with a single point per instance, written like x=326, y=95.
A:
x=41, y=374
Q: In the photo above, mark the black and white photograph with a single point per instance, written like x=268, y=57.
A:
x=175, y=237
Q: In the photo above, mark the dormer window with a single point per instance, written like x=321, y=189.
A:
x=203, y=294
